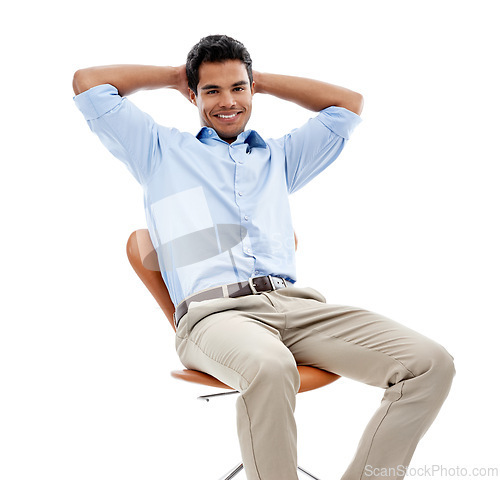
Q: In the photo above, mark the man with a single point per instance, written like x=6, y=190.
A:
x=218, y=215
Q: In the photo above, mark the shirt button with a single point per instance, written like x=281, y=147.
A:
x=248, y=250
x=240, y=194
x=246, y=217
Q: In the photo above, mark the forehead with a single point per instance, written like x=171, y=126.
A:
x=222, y=73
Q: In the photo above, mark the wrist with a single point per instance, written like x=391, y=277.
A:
x=179, y=82
x=176, y=77
x=258, y=78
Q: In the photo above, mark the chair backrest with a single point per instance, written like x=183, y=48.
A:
x=142, y=256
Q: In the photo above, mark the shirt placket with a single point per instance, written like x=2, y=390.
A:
x=238, y=154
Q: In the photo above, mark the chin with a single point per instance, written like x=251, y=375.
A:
x=224, y=134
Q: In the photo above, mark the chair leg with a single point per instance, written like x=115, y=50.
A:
x=239, y=468
x=206, y=398
x=233, y=472
x=307, y=473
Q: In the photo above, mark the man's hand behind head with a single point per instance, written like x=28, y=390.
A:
x=182, y=82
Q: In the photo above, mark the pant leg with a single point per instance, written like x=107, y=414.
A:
x=226, y=338
x=415, y=372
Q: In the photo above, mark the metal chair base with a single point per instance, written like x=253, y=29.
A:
x=307, y=473
x=239, y=468
x=233, y=472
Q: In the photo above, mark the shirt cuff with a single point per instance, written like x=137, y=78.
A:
x=97, y=101
x=339, y=120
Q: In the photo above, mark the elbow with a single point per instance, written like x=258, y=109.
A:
x=356, y=104
x=360, y=105
x=79, y=82
x=84, y=80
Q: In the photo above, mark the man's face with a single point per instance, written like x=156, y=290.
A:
x=224, y=97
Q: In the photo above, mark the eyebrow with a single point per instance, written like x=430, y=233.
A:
x=237, y=84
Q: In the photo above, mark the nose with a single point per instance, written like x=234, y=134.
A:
x=226, y=99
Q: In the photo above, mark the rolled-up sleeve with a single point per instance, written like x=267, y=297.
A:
x=126, y=131
x=314, y=146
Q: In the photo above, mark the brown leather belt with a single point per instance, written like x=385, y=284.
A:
x=232, y=290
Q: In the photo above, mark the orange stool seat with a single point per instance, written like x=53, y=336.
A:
x=310, y=378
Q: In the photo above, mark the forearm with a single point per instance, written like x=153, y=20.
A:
x=311, y=94
x=128, y=78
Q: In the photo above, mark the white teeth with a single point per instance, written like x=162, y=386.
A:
x=227, y=116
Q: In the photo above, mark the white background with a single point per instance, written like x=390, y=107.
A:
x=404, y=223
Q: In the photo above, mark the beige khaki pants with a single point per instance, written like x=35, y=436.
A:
x=253, y=344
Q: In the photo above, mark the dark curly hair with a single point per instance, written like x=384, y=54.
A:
x=215, y=48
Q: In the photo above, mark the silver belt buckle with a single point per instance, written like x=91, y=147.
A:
x=273, y=286
x=270, y=278
x=252, y=286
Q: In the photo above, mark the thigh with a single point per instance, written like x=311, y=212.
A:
x=231, y=342
x=354, y=342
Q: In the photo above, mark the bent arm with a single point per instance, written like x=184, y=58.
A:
x=311, y=94
x=131, y=78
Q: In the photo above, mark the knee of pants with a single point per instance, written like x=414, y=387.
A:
x=437, y=369
x=441, y=362
x=273, y=371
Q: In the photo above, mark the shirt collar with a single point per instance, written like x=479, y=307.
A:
x=250, y=137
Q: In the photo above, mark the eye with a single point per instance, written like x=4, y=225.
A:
x=210, y=92
x=239, y=89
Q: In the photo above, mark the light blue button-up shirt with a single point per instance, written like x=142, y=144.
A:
x=217, y=213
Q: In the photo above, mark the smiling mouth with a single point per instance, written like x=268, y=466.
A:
x=225, y=116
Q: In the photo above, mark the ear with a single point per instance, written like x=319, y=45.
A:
x=192, y=97
x=253, y=88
